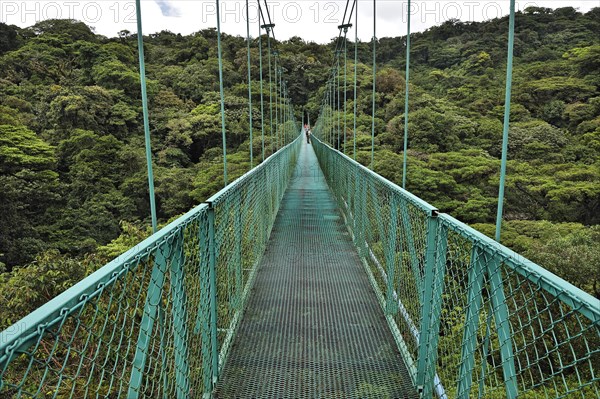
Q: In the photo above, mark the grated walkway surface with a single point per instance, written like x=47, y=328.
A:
x=313, y=327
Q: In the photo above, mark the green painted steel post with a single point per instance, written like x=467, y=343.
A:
x=509, y=65
x=406, y=98
x=474, y=304
x=163, y=355
x=179, y=313
x=427, y=300
x=501, y=317
x=147, y=141
x=151, y=305
x=249, y=84
x=436, y=312
x=372, y=166
x=391, y=302
x=220, y=55
x=355, y=75
x=212, y=270
x=204, y=316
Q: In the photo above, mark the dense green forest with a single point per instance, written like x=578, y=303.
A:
x=72, y=167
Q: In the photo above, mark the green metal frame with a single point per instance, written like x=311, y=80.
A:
x=165, y=312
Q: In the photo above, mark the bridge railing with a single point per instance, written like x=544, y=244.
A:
x=472, y=318
x=157, y=321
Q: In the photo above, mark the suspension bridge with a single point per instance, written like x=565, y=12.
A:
x=310, y=276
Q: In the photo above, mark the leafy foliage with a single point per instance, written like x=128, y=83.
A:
x=72, y=164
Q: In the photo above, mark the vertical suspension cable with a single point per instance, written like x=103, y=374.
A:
x=509, y=65
x=345, y=83
x=222, y=94
x=288, y=108
x=148, y=144
x=262, y=106
x=282, y=129
x=331, y=102
x=276, y=71
x=329, y=112
x=333, y=126
x=374, y=78
x=407, y=73
x=337, y=91
x=249, y=82
x=270, y=89
x=355, y=74
x=286, y=113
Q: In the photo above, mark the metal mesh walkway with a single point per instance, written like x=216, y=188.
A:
x=313, y=327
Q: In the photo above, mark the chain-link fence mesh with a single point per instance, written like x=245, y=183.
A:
x=154, y=321
x=509, y=328
x=472, y=318
x=127, y=330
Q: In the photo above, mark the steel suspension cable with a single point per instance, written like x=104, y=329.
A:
x=269, y=16
x=262, y=108
x=282, y=126
x=355, y=73
x=276, y=71
x=345, y=83
x=374, y=78
x=249, y=82
x=281, y=129
x=406, y=98
x=337, y=91
x=507, y=97
x=219, y=50
x=148, y=144
x=270, y=89
x=332, y=102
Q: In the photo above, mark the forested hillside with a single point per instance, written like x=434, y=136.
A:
x=72, y=167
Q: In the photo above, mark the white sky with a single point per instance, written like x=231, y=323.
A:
x=313, y=20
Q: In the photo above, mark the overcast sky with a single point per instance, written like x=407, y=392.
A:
x=313, y=20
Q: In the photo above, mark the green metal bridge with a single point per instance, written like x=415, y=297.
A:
x=310, y=276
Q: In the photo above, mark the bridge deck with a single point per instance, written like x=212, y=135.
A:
x=313, y=327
